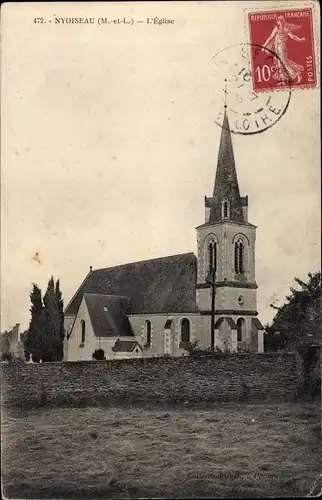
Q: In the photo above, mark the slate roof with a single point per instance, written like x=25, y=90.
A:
x=125, y=345
x=108, y=314
x=230, y=321
x=162, y=285
x=226, y=182
x=257, y=324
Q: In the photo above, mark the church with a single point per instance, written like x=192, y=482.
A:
x=156, y=307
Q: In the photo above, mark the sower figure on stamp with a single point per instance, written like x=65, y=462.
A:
x=277, y=42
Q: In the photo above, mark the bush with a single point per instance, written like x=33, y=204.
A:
x=196, y=351
x=99, y=355
x=17, y=361
x=243, y=347
x=36, y=356
x=7, y=356
x=311, y=386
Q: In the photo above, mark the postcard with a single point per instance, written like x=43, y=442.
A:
x=160, y=249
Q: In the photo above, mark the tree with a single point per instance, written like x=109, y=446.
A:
x=35, y=336
x=274, y=341
x=45, y=336
x=60, y=305
x=52, y=335
x=299, y=319
x=5, y=346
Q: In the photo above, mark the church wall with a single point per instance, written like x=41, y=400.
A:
x=203, y=236
x=122, y=355
x=85, y=353
x=158, y=332
x=227, y=298
x=68, y=323
x=77, y=353
x=199, y=329
x=255, y=339
x=224, y=234
x=248, y=234
x=225, y=334
x=233, y=341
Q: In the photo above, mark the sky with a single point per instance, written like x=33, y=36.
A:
x=109, y=146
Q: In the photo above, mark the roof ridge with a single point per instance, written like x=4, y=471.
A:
x=106, y=295
x=120, y=339
x=145, y=260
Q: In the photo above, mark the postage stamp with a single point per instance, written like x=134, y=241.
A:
x=249, y=112
x=282, y=49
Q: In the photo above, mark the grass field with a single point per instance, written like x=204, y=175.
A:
x=227, y=450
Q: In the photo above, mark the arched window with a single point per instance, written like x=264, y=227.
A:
x=212, y=254
x=148, y=332
x=240, y=329
x=83, y=332
x=239, y=257
x=225, y=209
x=185, y=330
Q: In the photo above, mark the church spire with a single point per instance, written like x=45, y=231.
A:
x=226, y=201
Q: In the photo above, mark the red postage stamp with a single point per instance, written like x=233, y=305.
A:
x=282, y=49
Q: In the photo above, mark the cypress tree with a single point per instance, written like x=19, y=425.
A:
x=53, y=328
x=34, y=343
x=60, y=305
x=45, y=336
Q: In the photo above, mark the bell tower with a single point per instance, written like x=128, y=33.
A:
x=226, y=246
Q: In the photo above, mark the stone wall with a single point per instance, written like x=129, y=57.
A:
x=188, y=380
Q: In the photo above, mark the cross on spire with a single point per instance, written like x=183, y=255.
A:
x=225, y=94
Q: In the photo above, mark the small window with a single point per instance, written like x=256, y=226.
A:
x=83, y=332
x=168, y=324
x=239, y=257
x=148, y=332
x=240, y=329
x=105, y=309
x=212, y=255
x=236, y=257
x=225, y=209
x=185, y=330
